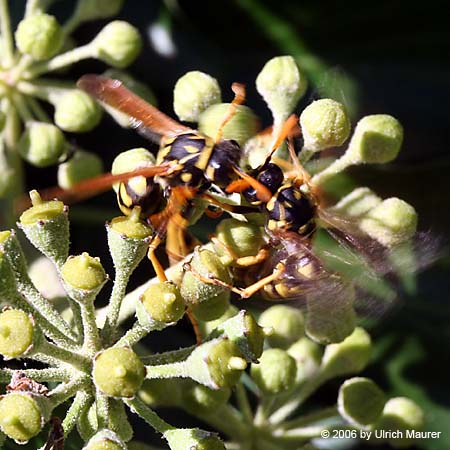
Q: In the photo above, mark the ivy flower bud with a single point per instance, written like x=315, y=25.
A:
x=98, y=9
x=276, y=371
x=377, y=139
x=192, y=438
x=128, y=238
x=199, y=399
x=241, y=127
x=39, y=36
x=208, y=301
x=118, y=44
x=42, y=144
x=307, y=355
x=16, y=333
x=81, y=166
x=325, y=123
x=194, y=92
x=243, y=239
x=118, y=372
x=83, y=277
x=391, y=222
x=347, y=357
x=216, y=364
x=209, y=327
x=360, y=401
x=105, y=440
x=160, y=305
x=401, y=414
x=161, y=392
x=243, y=330
x=356, y=204
x=130, y=160
x=281, y=85
x=46, y=226
x=76, y=111
x=22, y=416
x=287, y=323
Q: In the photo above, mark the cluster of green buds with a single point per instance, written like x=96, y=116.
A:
x=96, y=368
x=41, y=45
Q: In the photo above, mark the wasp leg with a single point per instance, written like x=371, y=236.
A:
x=195, y=326
x=239, y=98
x=157, y=266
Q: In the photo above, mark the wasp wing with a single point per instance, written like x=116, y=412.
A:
x=146, y=118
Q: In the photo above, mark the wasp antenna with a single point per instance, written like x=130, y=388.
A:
x=239, y=99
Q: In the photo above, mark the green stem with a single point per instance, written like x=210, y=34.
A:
x=132, y=336
x=298, y=397
x=312, y=418
x=263, y=410
x=75, y=359
x=102, y=405
x=32, y=8
x=64, y=391
x=50, y=374
x=168, y=357
x=140, y=408
x=243, y=402
x=172, y=370
x=115, y=302
x=37, y=110
x=46, y=90
x=6, y=35
x=22, y=108
x=92, y=342
x=62, y=60
x=78, y=407
x=334, y=168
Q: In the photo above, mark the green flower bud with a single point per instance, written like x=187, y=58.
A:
x=255, y=149
x=128, y=238
x=360, y=401
x=16, y=333
x=326, y=328
x=118, y=44
x=307, y=355
x=199, y=399
x=208, y=301
x=242, y=126
x=42, y=144
x=194, y=93
x=39, y=36
x=130, y=160
x=241, y=238
x=349, y=356
x=243, y=330
x=276, y=371
x=401, y=414
x=82, y=166
x=98, y=9
x=287, y=323
x=192, y=438
x=376, y=139
x=163, y=305
x=46, y=226
x=216, y=364
x=118, y=372
x=161, y=392
x=208, y=327
x=105, y=440
x=83, y=277
x=281, y=85
x=391, y=222
x=21, y=416
x=325, y=124
x=356, y=204
x=77, y=112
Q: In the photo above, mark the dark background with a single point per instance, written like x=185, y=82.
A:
x=377, y=57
